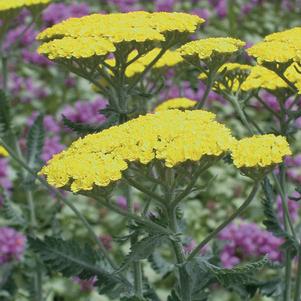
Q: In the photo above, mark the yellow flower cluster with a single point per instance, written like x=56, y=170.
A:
x=261, y=77
x=230, y=72
x=83, y=47
x=279, y=47
x=168, y=59
x=207, y=48
x=176, y=103
x=259, y=151
x=3, y=152
x=6, y=5
x=172, y=136
x=117, y=28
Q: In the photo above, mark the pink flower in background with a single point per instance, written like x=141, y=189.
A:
x=245, y=240
x=12, y=245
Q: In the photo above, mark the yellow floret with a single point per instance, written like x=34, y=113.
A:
x=119, y=27
x=3, y=151
x=273, y=51
x=6, y=5
x=176, y=103
x=260, y=151
x=172, y=136
x=207, y=48
x=261, y=77
x=76, y=48
x=289, y=35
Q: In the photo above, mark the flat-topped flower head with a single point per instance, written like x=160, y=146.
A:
x=263, y=78
x=180, y=103
x=171, y=136
x=8, y=5
x=125, y=27
x=273, y=52
x=259, y=152
x=289, y=35
x=77, y=48
x=211, y=47
x=169, y=59
x=3, y=152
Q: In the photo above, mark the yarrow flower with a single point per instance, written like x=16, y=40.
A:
x=12, y=245
x=3, y=151
x=18, y=4
x=172, y=136
x=245, y=241
x=260, y=151
x=97, y=34
x=176, y=103
x=212, y=47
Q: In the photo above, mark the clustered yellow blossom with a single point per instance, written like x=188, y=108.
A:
x=279, y=47
x=3, y=151
x=118, y=28
x=207, y=48
x=261, y=77
x=83, y=47
x=172, y=136
x=169, y=59
x=230, y=73
x=260, y=151
x=176, y=103
x=6, y=5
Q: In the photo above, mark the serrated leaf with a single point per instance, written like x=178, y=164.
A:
x=84, y=129
x=12, y=214
x=35, y=141
x=159, y=264
x=271, y=220
x=72, y=259
x=239, y=275
x=143, y=249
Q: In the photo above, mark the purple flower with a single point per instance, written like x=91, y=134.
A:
x=5, y=182
x=293, y=207
x=12, y=245
x=49, y=123
x=164, y=5
x=35, y=59
x=106, y=241
x=86, y=111
x=51, y=147
x=86, y=285
x=122, y=203
x=58, y=12
x=245, y=240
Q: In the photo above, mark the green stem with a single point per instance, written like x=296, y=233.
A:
x=288, y=281
x=4, y=73
x=185, y=287
x=60, y=197
x=209, y=84
x=137, y=268
x=298, y=279
x=241, y=114
x=213, y=234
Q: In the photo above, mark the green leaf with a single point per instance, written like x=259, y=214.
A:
x=143, y=249
x=239, y=275
x=159, y=264
x=72, y=259
x=271, y=220
x=84, y=129
x=12, y=213
x=35, y=141
x=5, y=118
